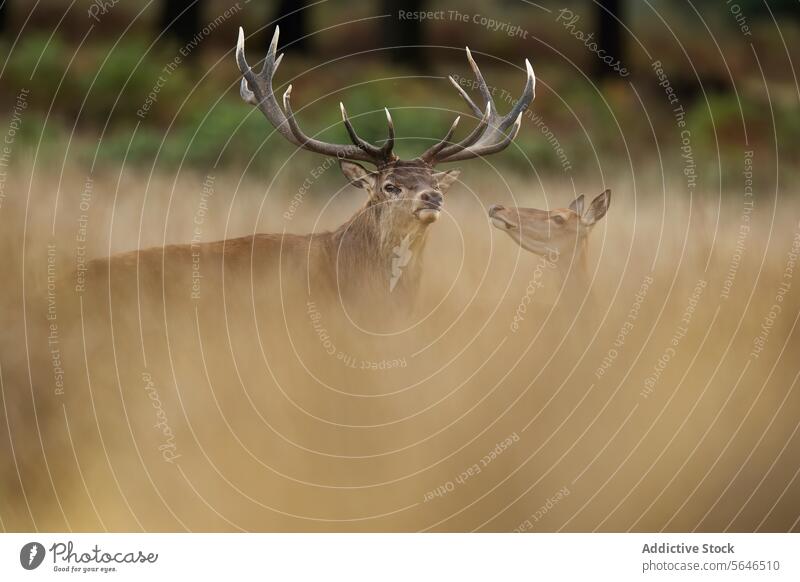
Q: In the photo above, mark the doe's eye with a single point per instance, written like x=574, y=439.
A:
x=558, y=219
x=391, y=189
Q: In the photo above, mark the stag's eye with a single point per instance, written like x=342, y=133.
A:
x=391, y=189
x=558, y=219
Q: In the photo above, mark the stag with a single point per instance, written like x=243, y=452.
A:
x=379, y=248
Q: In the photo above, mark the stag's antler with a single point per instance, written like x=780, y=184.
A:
x=256, y=89
x=490, y=135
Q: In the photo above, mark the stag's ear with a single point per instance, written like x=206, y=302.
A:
x=446, y=179
x=598, y=208
x=577, y=205
x=357, y=175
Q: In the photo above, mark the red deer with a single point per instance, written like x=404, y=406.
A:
x=556, y=233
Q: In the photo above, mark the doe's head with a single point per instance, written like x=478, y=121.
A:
x=547, y=231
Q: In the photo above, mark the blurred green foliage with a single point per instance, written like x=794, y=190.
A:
x=196, y=119
x=37, y=55
x=124, y=76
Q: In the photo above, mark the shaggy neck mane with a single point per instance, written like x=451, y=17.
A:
x=368, y=243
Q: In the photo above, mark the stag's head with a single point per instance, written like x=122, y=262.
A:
x=551, y=232
x=404, y=192
x=411, y=191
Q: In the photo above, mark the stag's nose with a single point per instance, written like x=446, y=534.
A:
x=431, y=198
x=495, y=208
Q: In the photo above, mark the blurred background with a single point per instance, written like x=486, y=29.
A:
x=93, y=66
x=662, y=395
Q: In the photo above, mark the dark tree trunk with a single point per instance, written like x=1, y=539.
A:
x=294, y=25
x=609, y=37
x=180, y=19
x=405, y=33
x=3, y=16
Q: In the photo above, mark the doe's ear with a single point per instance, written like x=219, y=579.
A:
x=357, y=174
x=577, y=205
x=598, y=208
x=446, y=179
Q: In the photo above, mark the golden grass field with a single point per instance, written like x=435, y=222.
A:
x=251, y=410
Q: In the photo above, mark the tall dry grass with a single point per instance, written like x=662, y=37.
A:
x=249, y=409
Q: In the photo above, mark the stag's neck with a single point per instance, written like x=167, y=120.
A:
x=381, y=250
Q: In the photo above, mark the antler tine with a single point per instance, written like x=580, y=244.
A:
x=487, y=138
x=482, y=86
x=528, y=95
x=247, y=95
x=430, y=153
x=388, y=146
x=464, y=95
x=363, y=144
